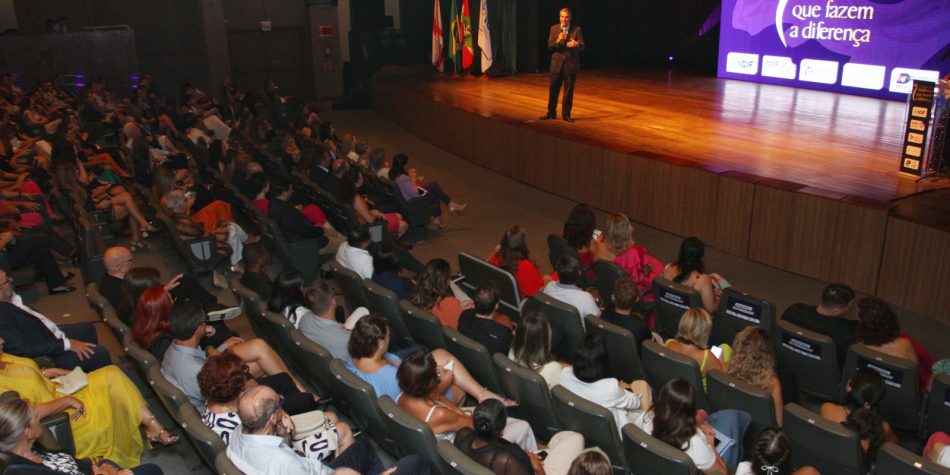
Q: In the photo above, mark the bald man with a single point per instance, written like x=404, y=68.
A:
x=261, y=446
x=119, y=261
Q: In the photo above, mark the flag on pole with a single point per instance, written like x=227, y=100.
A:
x=465, y=36
x=437, y=45
x=455, y=47
x=484, y=36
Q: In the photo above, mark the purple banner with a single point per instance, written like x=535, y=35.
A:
x=865, y=47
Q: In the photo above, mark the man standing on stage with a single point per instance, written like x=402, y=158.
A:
x=566, y=43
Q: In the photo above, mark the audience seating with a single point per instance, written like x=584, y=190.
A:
x=416, y=211
x=672, y=300
x=424, y=327
x=736, y=311
x=206, y=442
x=605, y=274
x=200, y=254
x=224, y=466
x=892, y=459
x=828, y=446
x=302, y=256
x=170, y=396
x=280, y=340
x=413, y=436
x=118, y=327
x=384, y=302
x=937, y=410
x=565, y=317
x=594, y=422
x=474, y=356
x=810, y=357
x=662, y=365
x=144, y=360
x=96, y=301
x=90, y=247
x=458, y=462
x=727, y=392
x=623, y=354
x=361, y=398
x=533, y=396
x=648, y=455
x=252, y=306
x=313, y=360
x=901, y=405
x=351, y=285
x=476, y=271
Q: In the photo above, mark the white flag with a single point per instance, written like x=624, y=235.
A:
x=437, y=48
x=484, y=36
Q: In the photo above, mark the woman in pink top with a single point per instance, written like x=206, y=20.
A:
x=512, y=255
x=618, y=246
x=433, y=293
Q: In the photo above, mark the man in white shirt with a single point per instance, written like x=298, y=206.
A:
x=354, y=253
x=569, y=271
x=260, y=445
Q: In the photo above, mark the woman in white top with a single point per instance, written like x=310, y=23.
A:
x=673, y=420
x=588, y=379
x=531, y=348
x=772, y=455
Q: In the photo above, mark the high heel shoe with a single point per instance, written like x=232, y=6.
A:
x=456, y=208
x=163, y=437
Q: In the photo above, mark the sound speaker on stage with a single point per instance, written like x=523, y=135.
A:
x=566, y=42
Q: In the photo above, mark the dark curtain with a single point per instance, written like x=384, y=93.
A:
x=502, y=20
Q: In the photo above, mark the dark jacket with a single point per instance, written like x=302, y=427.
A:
x=25, y=335
x=564, y=59
x=292, y=223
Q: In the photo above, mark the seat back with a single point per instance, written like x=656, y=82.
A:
x=828, y=446
x=278, y=327
x=412, y=435
x=361, y=398
x=672, y=300
x=143, y=359
x=170, y=396
x=736, y=311
x=424, y=327
x=532, y=393
x=727, y=392
x=118, y=327
x=224, y=466
x=605, y=274
x=459, y=463
x=662, y=364
x=96, y=301
x=302, y=256
x=474, y=356
x=351, y=285
x=892, y=459
x=810, y=357
x=593, y=421
x=477, y=271
x=647, y=454
x=252, y=307
x=205, y=440
x=384, y=302
x=901, y=404
x=623, y=354
x=937, y=412
x=564, y=316
x=314, y=361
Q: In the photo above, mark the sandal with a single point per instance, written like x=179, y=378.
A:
x=140, y=244
x=508, y=402
x=163, y=437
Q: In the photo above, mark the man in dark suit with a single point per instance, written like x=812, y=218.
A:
x=566, y=43
x=291, y=221
x=29, y=334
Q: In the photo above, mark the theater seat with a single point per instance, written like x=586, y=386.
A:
x=811, y=358
x=623, y=355
x=224, y=466
x=662, y=365
x=738, y=310
x=937, y=412
x=605, y=274
x=727, y=392
x=564, y=316
x=901, y=404
x=533, y=396
x=820, y=443
x=412, y=435
x=361, y=398
x=648, y=455
x=594, y=422
x=459, y=463
x=672, y=300
x=205, y=440
x=474, y=356
x=893, y=459
x=424, y=327
x=351, y=285
x=385, y=303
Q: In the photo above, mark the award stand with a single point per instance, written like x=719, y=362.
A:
x=938, y=163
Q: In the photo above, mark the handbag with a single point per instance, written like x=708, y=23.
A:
x=315, y=436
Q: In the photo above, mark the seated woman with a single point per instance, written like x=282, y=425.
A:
x=222, y=379
x=588, y=379
x=753, y=362
x=860, y=412
x=348, y=193
x=692, y=337
x=420, y=384
x=689, y=270
x=531, y=348
x=110, y=196
x=772, y=455
x=617, y=246
x=409, y=183
x=370, y=361
x=105, y=416
x=485, y=445
x=19, y=431
x=151, y=325
x=230, y=238
x=23, y=250
x=513, y=256
x=259, y=185
x=578, y=231
x=434, y=293
x=879, y=330
x=386, y=271
x=287, y=297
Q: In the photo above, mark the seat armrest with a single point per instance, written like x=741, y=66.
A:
x=57, y=433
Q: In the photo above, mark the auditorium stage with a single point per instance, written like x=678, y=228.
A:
x=802, y=180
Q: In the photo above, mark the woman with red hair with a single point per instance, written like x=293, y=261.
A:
x=151, y=324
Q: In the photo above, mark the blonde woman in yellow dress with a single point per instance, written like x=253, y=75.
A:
x=105, y=416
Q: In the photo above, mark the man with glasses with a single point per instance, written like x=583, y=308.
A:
x=261, y=444
x=30, y=334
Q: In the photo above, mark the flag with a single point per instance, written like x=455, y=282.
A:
x=454, y=45
x=437, y=45
x=484, y=36
x=465, y=36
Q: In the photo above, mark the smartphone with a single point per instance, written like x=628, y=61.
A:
x=716, y=350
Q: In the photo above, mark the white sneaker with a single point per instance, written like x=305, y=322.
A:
x=224, y=314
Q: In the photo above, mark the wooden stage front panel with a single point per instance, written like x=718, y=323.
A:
x=797, y=179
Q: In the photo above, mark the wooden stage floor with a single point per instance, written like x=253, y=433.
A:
x=840, y=143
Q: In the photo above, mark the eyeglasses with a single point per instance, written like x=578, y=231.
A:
x=9, y=280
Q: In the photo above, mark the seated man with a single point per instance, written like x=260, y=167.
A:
x=291, y=221
x=569, y=271
x=183, y=361
x=354, y=253
x=623, y=299
x=484, y=324
x=255, y=278
x=261, y=444
x=30, y=334
x=321, y=326
x=119, y=260
x=828, y=318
